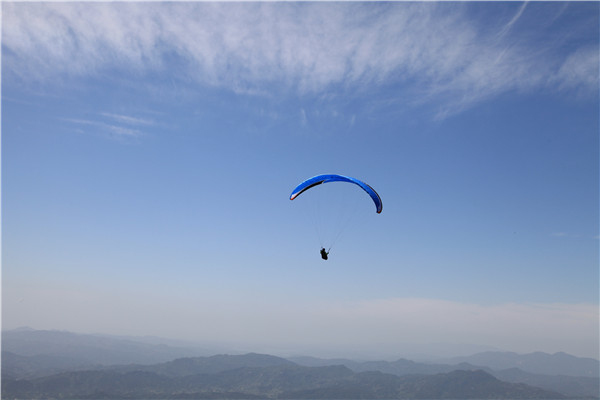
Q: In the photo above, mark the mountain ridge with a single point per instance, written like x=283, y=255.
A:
x=559, y=363
x=18, y=369
x=274, y=382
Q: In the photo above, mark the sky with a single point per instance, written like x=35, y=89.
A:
x=149, y=151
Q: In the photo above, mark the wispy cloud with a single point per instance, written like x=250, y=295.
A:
x=572, y=235
x=303, y=119
x=580, y=70
x=434, y=51
x=111, y=125
x=129, y=119
x=512, y=22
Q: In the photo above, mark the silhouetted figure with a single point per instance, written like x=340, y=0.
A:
x=324, y=253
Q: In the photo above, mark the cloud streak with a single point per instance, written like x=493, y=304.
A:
x=126, y=119
x=431, y=52
x=115, y=126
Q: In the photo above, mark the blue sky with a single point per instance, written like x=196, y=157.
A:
x=149, y=150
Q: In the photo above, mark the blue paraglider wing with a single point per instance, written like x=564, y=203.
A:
x=319, y=179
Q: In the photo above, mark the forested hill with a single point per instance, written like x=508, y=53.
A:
x=284, y=381
x=39, y=364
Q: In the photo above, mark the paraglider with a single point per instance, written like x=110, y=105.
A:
x=326, y=178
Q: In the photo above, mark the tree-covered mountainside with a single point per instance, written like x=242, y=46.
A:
x=37, y=364
x=273, y=382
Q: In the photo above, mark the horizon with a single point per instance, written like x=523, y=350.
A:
x=149, y=151
x=445, y=351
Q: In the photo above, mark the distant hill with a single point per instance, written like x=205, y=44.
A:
x=537, y=363
x=573, y=386
x=23, y=367
x=84, y=349
x=26, y=367
x=32, y=359
x=455, y=385
x=208, y=365
x=272, y=382
x=399, y=367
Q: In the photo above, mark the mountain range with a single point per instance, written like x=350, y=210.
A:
x=39, y=364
